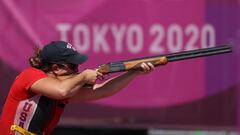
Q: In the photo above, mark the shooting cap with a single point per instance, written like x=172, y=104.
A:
x=61, y=52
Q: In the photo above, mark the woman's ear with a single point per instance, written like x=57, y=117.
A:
x=55, y=69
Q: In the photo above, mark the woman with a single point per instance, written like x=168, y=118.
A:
x=39, y=94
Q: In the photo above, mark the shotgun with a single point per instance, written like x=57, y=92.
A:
x=158, y=60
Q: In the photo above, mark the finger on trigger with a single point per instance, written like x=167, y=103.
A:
x=99, y=74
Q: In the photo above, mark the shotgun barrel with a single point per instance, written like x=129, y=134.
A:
x=199, y=53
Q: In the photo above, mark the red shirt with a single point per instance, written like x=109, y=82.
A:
x=33, y=112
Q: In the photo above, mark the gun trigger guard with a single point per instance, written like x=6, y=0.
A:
x=101, y=78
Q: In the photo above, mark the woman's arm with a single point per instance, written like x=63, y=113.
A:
x=57, y=88
x=110, y=86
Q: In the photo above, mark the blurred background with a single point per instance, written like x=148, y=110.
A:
x=191, y=97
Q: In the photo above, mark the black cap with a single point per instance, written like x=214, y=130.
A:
x=61, y=52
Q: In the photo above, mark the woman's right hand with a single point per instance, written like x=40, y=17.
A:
x=90, y=76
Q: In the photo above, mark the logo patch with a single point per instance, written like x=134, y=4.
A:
x=70, y=46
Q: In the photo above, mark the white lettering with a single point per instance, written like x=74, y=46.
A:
x=130, y=38
x=118, y=34
x=81, y=37
x=63, y=28
x=174, y=38
x=156, y=45
x=136, y=31
x=99, y=40
x=208, y=37
x=193, y=33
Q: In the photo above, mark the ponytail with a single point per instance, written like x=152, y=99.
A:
x=35, y=60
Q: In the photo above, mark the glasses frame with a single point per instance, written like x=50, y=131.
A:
x=70, y=66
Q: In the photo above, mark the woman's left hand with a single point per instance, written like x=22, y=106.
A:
x=146, y=67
